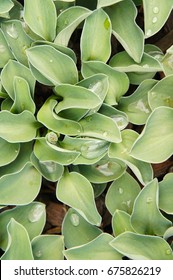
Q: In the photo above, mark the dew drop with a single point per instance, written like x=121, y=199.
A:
x=36, y=212
x=105, y=133
x=66, y=22
x=51, y=60
x=145, y=66
x=38, y=253
x=105, y=169
x=74, y=218
x=149, y=200
x=12, y=31
x=149, y=32
x=168, y=252
x=156, y=10
x=120, y=190
x=2, y=48
x=154, y=20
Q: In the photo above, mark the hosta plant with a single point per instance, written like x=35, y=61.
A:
x=86, y=107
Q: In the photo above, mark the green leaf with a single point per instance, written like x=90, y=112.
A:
x=77, y=98
x=62, y=5
x=50, y=170
x=48, y=247
x=104, y=170
x=12, y=69
x=9, y=152
x=121, y=222
x=142, y=247
x=17, y=236
x=17, y=127
x=17, y=39
x=21, y=187
x=68, y=21
x=119, y=117
x=47, y=116
x=167, y=62
x=40, y=15
x=22, y=101
x=156, y=136
x=5, y=53
x=125, y=29
x=122, y=151
x=166, y=194
x=122, y=193
x=31, y=216
x=90, y=149
x=6, y=6
x=105, y=3
x=123, y=62
x=108, y=131
x=136, y=105
x=118, y=82
x=82, y=199
x=96, y=37
x=155, y=15
x=77, y=231
x=22, y=158
x=161, y=93
x=150, y=221
x=97, y=249
x=53, y=152
x=55, y=66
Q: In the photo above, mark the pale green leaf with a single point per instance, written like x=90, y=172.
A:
x=48, y=247
x=97, y=249
x=68, y=21
x=21, y=187
x=166, y=194
x=122, y=193
x=17, y=237
x=31, y=216
x=122, y=151
x=17, y=39
x=121, y=222
x=82, y=199
x=156, y=136
x=40, y=15
x=96, y=37
x=125, y=29
x=6, y=6
x=5, y=53
x=76, y=230
x=136, y=105
x=150, y=221
x=155, y=15
x=161, y=94
x=55, y=66
x=12, y=69
x=9, y=152
x=142, y=247
x=105, y=3
x=118, y=82
x=18, y=127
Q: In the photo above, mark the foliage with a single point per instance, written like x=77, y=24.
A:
x=65, y=118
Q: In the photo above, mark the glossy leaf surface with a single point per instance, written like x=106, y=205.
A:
x=121, y=222
x=82, y=199
x=9, y=151
x=166, y=193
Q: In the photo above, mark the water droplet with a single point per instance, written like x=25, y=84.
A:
x=120, y=120
x=74, y=218
x=120, y=190
x=145, y=66
x=21, y=14
x=51, y=60
x=154, y=20
x=2, y=48
x=96, y=87
x=140, y=105
x=149, y=32
x=36, y=212
x=105, y=133
x=156, y=10
x=50, y=166
x=52, y=137
x=66, y=22
x=12, y=31
x=38, y=253
x=128, y=203
x=105, y=169
x=149, y=200
x=168, y=252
